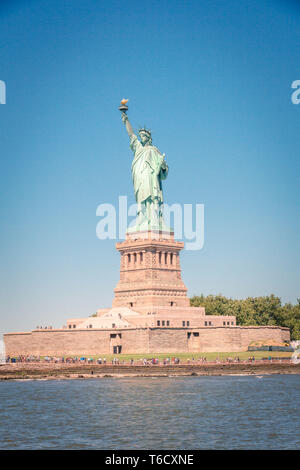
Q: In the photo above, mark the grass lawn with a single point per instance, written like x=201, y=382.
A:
x=210, y=356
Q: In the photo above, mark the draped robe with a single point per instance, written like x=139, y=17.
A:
x=148, y=170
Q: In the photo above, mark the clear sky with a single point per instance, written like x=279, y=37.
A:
x=212, y=79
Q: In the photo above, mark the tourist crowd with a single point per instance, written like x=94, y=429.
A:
x=143, y=361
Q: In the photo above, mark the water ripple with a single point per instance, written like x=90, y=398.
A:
x=137, y=413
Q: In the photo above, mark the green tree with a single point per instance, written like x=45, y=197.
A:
x=260, y=311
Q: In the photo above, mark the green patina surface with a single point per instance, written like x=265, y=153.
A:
x=148, y=170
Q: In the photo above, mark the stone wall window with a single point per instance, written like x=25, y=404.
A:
x=168, y=323
x=183, y=323
x=196, y=334
x=163, y=323
x=205, y=323
x=158, y=323
x=188, y=323
x=232, y=322
x=70, y=326
x=141, y=257
x=224, y=323
x=209, y=323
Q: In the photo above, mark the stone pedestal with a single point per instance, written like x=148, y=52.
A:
x=150, y=273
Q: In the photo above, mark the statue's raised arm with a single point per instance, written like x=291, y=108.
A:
x=128, y=126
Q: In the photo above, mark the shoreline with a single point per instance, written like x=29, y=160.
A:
x=24, y=371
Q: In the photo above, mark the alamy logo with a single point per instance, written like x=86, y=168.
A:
x=2, y=92
x=296, y=346
x=296, y=94
x=2, y=352
x=187, y=221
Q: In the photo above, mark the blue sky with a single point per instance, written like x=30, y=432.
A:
x=212, y=79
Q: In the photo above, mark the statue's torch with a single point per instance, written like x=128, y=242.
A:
x=123, y=108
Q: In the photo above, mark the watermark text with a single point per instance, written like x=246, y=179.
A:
x=295, y=97
x=186, y=220
x=2, y=92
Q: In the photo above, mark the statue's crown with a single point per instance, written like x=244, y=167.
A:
x=143, y=130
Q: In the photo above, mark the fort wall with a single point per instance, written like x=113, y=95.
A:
x=139, y=340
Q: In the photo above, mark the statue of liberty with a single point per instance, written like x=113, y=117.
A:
x=148, y=170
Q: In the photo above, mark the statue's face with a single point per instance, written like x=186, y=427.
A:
x=144, y=138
